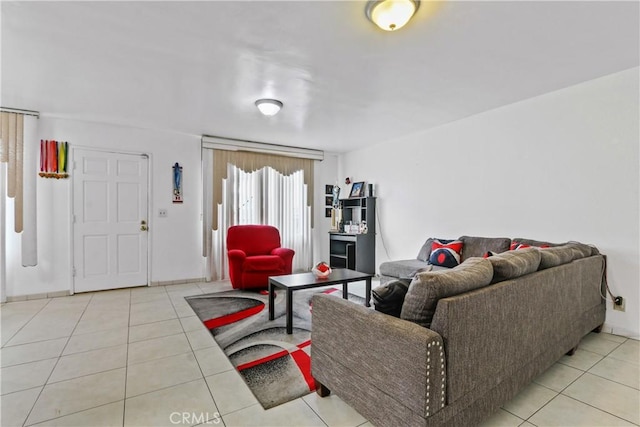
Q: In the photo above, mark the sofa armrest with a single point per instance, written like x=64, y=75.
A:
x=355, y=348
x=286, y=255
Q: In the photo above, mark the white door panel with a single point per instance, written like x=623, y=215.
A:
x=110, y=208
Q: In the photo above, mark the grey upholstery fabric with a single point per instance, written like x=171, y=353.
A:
x=425, y=250
x=478, y=246
x=427, y=288
x=388, y=298
x=497, y=339
x=377, y=362
x=512, y=264
x=580, y=250
x=402, y=269
x=556, y=255
x=537, y=243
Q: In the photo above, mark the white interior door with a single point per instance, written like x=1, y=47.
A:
x=110, y=220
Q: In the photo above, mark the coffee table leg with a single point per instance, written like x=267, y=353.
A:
x=345, y=291
x=271, y=300
x=289, y=311
x=367, y=296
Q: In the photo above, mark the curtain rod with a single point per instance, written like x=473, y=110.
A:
x=20, y=111
x=229, y=144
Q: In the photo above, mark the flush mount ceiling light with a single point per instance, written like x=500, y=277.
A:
x=391, y=15
x=269, y=107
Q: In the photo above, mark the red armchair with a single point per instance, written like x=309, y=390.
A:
x=255, y=254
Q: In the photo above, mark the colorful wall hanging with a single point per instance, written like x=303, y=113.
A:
x=177, y=183
x=53, y=159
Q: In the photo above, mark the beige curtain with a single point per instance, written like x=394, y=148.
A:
x=11, y=152
x=249, y=162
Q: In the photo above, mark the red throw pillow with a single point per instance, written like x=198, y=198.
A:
x=445, y=254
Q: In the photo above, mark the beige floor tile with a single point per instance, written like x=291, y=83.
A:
x=192, y=323
x=96, y=340
x=183, y=290
x=190, y=402
x=502, y=418
x=101, y=320
x=212, y=360
x=16, y=406
x=26, y=375
x=333, y=411
x=89, y=362
x=149, y=313
x=26, y=353
x=628, y=352
x=529, y=400
x=230, y=392
x=527, y=424
x=184, y=310
x=558, y=377
x=158, y=348
x=160, y=373
x=618, y=371
x=582, y=359
x=47, y=326
x=564, y=411
x=295, y=414
x=200, y=339
x=149, y=298
x=596, y=343
x=159, y=329
x=109, y=415
x=78, y=394
x=212, y=287
x=607, y=395
x=611, y=337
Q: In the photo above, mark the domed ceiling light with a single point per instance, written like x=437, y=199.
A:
x=391, y=15
x=269, y=107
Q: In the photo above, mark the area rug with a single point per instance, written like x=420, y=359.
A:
x=275, y=366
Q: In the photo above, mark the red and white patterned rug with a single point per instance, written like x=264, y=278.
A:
x=275, y=366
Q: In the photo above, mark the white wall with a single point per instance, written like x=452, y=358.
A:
x=562, y=166
x=175, y=241
x=324, y=174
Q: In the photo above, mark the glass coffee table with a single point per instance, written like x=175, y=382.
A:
x=294, y=282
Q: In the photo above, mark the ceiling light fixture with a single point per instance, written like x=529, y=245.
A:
x=391, y=15
x=269, y=107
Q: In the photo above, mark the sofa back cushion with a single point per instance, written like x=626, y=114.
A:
x=479, y=246
x=512, y=264
x=427, y=288
x=536, y=243
x=554, y=256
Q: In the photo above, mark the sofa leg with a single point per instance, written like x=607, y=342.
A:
x=322, y=390
x=598, y=329
x=572, y=351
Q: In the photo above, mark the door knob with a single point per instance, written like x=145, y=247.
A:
x=143, y=225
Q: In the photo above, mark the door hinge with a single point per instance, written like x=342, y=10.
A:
x=74, y=272
x=74, y=219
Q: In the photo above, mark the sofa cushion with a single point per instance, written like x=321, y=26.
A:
x=554, y=256
x=536, y=243
x=512, y=264
x=425, y=250
x=389, y=297
x=445, y=254
x=263, y=263
x=405, y=268
x=580, y=250
x=427, y=289
x=478, y=246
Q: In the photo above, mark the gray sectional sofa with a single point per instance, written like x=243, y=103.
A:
x=468, y=340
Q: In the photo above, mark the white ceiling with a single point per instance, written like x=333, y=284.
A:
x=198, y=67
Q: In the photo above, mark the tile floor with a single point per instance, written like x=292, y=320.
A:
x=140, y=357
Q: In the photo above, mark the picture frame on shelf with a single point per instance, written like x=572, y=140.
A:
x=357, y=190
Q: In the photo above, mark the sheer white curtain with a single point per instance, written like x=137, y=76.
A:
x=263, y=196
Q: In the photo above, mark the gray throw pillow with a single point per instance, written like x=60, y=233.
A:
x=425, y=250
x=580, y=250
x=428, y=288
x=554, y=256
x=389, y=297
x=479, y=246
x=512, y=264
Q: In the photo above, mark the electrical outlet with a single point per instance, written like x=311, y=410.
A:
x=162, y=213
x=619, y=303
